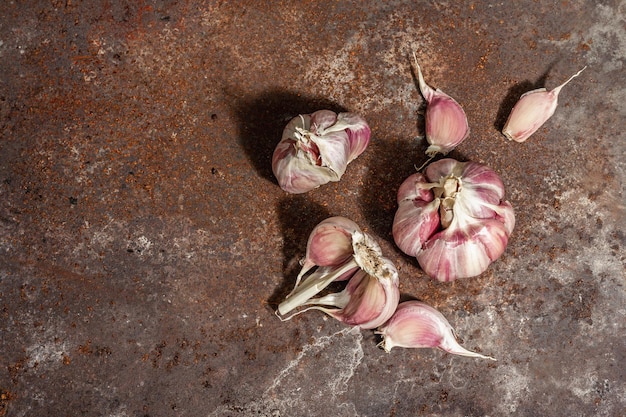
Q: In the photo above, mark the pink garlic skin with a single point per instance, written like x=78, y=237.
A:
x=372, y=302
x=463, y=252
x=531, y=111
x=417, y=325
x=330, y=243
x=316, y=149
x=417, y=217
x=446, y=122
x=477, y=223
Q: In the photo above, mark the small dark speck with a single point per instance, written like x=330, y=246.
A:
x=213, y=170
x=73, y=201
x=129, y=250
x=165, y=18
x=214, y=116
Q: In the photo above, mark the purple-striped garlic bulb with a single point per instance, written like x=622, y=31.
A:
x=453, y=219
x=316, y=149
x=417, y=325
x=340, y=251
x=446, y=122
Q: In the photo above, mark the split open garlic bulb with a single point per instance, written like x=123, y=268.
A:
x=340, y=251
x=316, y=149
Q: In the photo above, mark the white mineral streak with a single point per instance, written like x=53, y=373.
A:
x=322, y=370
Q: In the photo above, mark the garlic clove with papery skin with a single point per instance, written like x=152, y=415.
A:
x=372, y=291
x=417, y=217
x=329, y=245
x=417, y=325
x=316, y=149
x=532, y=110
x=446, y=122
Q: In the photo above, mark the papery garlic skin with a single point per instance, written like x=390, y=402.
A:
x=463, y=251
x=453, y=219
x=316, y=149
x=417, y=325
x=446, y=122
x=372, y=292
x=531, y=111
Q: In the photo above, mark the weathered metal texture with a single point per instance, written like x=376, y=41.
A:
x=145, y=243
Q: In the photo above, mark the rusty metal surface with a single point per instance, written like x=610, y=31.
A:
x=144, y=242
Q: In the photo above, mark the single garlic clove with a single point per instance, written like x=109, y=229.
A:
x=358, y=132
x=417, y=325
x=330, y=243
x=371, y=294
x=417, y=217
x=480, y=189
x=414, y=223
x=316, y=149
x=463, y=251
x=446, y=122
x=532, y=110
x=506, y=215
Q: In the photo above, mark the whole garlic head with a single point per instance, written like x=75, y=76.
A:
x=316, y=149
x=453, y=219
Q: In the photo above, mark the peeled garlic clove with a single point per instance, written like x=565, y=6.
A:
x=446, y=122
x=371, y=294
x=316, y=149
x=532, y=110
x=417, y=325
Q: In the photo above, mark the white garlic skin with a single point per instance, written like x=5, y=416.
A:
x=316, y=149
x=453, y=219
x=446, y=122
x=418, y=325
x=531, y=111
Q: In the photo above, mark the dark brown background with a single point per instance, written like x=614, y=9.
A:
x=144, y=242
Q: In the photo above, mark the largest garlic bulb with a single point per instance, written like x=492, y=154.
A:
x=453, y=219
x=341, y=251
x=316, y=148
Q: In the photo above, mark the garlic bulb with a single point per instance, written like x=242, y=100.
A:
x=446, y=122
x=453, y=219
x=532, y=110
x=316, y=148
x=417, y=325
x=341, y=251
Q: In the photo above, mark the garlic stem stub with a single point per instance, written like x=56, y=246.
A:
x=417, y=325
x=340, y=251
x=453, y=219
x=532, y=110
x=316, y=149
x=446, y=122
